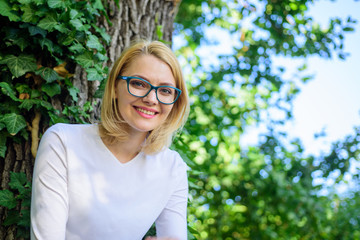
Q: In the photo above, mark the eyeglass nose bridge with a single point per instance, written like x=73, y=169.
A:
x=156, y=93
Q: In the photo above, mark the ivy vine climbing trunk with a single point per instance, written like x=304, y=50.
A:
x=125, y=21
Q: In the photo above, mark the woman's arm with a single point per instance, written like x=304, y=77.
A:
x=172, y=221
x=49, y=204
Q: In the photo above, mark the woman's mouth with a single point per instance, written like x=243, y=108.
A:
x=145, y=113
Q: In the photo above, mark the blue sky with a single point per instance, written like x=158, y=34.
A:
x=330, y=101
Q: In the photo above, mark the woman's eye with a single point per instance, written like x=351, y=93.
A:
x=166, y=91
x=137, y=83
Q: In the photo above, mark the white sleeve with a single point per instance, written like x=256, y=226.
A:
x=49, y=204
x=172, y=221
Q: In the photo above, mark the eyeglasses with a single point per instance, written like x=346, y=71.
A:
x=139, y=87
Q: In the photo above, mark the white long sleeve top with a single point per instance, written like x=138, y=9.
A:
x=81, y=191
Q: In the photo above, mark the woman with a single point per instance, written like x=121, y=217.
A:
x=113, y=180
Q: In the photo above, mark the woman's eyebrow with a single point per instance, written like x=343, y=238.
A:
x=161, y=83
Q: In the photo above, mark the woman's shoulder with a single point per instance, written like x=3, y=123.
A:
x=169, y=158
x=64, y=130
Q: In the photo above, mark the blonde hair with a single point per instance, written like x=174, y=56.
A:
x=114, y=128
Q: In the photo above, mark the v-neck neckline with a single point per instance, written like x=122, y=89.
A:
x=103, y=145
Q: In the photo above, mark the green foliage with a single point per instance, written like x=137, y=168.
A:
x=42, y=42
x=265, y=191
x=15, y=199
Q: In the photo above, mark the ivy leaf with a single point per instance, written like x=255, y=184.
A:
x=77, y=47
x=29, y=103
x=7, y=90
x=12, y=218
x=7, y=199
x=85, y=60
x=2, y=142
x=94, y=43
x=77, y=24
x=48, y=43
x=19, y=65
x=103, y=34
x=93, y=74
x=22, y=43
x=56, y=4
x=46, y=105
x=56, y=119
x=62, y=28
x=5, y=10
x=17, y=181
x=48, y=74
x=48, y=23
x=33, y=30
x=73, y=91
x=51, y=89
x=75, y=14
x=13, y=122
x=29, y=14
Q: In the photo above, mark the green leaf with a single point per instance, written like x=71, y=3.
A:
x=29, y=14
x=93, y=42
x=7, y=199
x=75, y=14
x=85, y=60
x=29, y=103
x=48, y=23
x=77, y=47
x=13, y=122
x=21, y=42
x=98, y=5
x=77, y=24
x=62, y=28
x=33, y=30
x=68, y=40
x=25, y=1
x=2, y=142
x=19, y=65
x=103, y=34
x=56, y=119
x=73, y=91
x=93, y=74
x=5, y=10
x=7, y=90
x=46, y=105
x=12, y=218
x=51, y=89
x=17, y=180
x=48, y=43
x=48, y=74
x=56, y=4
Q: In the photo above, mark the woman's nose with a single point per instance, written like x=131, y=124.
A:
x=151, y=97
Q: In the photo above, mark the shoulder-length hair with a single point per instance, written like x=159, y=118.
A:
x=113, y=126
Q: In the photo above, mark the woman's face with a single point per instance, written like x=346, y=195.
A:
x=146, y=113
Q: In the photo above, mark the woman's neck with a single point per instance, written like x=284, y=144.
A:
x=126, y=151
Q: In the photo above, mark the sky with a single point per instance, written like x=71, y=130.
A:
x=330, y=101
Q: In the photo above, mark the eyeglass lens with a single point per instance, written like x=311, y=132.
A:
x=140, y=88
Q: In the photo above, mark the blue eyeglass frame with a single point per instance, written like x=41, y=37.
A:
x=128, y=78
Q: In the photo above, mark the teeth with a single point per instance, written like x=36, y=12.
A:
x=145, y=111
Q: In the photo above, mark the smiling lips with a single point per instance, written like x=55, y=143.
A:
x=145, y=113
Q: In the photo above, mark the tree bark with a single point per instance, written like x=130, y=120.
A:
x=132, y=19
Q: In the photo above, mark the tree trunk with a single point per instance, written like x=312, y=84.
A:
x=132, y=19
